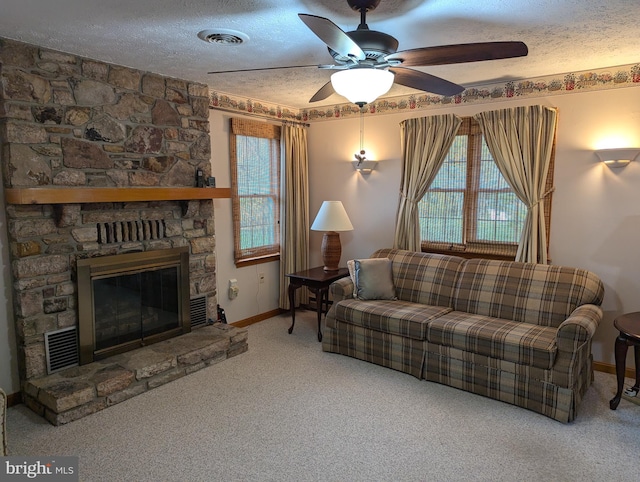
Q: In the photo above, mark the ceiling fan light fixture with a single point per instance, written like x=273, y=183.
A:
x=362, y=85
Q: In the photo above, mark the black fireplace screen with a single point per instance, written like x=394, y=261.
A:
x=135, y=306
x=131, y=300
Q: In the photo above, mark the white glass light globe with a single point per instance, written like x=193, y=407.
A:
x=362, y=85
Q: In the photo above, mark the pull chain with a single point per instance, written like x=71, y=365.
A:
x=361, y=132
x=361, y=157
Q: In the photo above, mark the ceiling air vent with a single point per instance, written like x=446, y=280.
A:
x=223, y=36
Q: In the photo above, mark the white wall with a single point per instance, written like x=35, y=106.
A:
x=596, y=211
x=370, y=200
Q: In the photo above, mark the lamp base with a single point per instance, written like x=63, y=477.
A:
x=331, y=250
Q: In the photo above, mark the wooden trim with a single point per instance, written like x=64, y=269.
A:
x=14, y=399
x=76, y=195
x=467, y=255
x=251, y=128
x=253, y=261
x=257, y=318
x=608, y=368
x=241, y=129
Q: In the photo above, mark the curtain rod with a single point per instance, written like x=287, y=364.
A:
x=262, y=116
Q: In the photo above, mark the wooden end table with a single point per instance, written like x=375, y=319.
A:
x=629, y=327
x=318, y=281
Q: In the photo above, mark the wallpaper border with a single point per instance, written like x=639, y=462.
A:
x=569, y=83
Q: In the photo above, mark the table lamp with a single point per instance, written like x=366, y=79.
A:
x=331, y=218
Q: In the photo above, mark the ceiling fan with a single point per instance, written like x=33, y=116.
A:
x=368, y=61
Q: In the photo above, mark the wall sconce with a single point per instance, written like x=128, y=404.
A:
x=618, y=157
x=361, y=163
x=364, y=166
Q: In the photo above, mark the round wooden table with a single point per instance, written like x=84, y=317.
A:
x=629, y=327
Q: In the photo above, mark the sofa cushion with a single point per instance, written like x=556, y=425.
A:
x=396, y=317
x=522, y=343
x=373, y=279
x=424, y=278
x=533, y=293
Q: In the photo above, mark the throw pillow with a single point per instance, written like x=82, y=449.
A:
x=374, y=279
x=351, y=266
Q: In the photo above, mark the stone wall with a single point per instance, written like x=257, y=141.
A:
x=70, y=122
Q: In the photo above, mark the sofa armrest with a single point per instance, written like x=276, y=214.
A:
x=578, y=328
x=341, y=289
x=3, y=423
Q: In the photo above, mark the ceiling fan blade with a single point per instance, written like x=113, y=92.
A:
x=265, y=68
x=335, y=38
x=325, y=91
x=423, y=81
x=459, y=53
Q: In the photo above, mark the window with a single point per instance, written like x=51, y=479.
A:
x=255, y=191
x=470, y=207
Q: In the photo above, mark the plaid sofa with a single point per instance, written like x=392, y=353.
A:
x=516, y=332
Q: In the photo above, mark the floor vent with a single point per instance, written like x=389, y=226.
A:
x=61, y=349
x=198, y=312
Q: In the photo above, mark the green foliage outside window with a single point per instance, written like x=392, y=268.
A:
x=256, y=178
x=469, y=200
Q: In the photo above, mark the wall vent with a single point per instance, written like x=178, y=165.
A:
x=124, y=231
x=61, y=349
x=198, y=312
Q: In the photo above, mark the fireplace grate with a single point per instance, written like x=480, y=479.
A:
x=138, y=230
x=198, y=311
x=61, y=349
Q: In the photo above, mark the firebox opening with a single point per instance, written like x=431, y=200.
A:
x=131, y=300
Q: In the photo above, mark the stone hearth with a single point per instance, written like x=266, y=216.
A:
x=80, y=391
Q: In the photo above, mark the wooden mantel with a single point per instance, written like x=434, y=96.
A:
x=77, y=195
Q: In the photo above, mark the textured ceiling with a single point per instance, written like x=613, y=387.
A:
x=161, y=36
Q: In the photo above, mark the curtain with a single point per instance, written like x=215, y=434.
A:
x=520, y=140
x=425, y=144
x=294, y=210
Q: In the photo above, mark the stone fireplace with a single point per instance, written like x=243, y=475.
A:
x=97, y=160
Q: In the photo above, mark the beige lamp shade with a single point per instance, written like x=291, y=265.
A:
x=331, y=218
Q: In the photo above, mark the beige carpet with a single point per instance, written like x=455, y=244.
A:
x=286, y=411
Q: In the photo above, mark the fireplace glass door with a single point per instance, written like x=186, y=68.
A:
x=135, y=306
x=130, y=300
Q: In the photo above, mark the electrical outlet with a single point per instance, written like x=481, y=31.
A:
x=261, y=278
